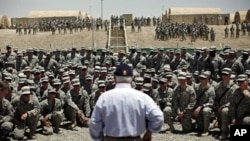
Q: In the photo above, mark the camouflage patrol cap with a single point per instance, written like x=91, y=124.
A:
x=169, y=75
x=189, y=75
x=182, y=76
x=138, y=50
x=72, y=72
x=242, y=77
x=88, y=77
x=44, y=80
x=146, y=87
x=163, y=80
x=56, y=82
x=178, y=51
x=226, y=71
x=51, y=91
x=203, y=75
x=76, y=82
x=139, y=80
x=25, y=90
x=247, y=72
x=122, y=52
x=154, y=79
x=20, y=54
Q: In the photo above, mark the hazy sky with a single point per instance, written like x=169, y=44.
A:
x=146, y=8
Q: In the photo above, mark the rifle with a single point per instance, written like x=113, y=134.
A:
x=199, y=97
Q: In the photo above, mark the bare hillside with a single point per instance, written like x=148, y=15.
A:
x=84, y=38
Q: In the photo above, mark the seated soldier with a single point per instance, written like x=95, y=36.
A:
x=77, y=105
x=6, y=112
x=27, y=110
x=51, y=110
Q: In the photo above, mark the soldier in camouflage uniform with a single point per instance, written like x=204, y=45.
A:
x=9, y=55
x=164, y=100
x=205, y=96
x=51, y=111
x=177, y=62
x=77, y=109
x=19, y=63
x=239, y=104
x=6, y=112
x=49, y=63
x=224, y=90
x=27, y=110
x=183, y=102
x=31, y=59
x=95, y=95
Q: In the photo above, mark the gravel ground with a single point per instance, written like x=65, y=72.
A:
x=82, y=134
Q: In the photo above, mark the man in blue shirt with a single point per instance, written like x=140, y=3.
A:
x=124, y=113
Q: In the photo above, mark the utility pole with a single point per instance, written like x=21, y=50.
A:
x=102, y=9
x=93, y=29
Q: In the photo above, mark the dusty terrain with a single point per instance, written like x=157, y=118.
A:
x=143, y=39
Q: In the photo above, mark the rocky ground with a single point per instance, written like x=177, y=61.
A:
x=82, y=134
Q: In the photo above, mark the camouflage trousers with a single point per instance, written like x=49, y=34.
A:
x=5, y=128
x=167, y=111
x=203, y=119
x=186, y=121
x=20, y=126
x=55, y=119
x=71, y=114
x=246, y=120
x=224, y=120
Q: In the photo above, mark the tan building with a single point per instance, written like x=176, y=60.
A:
x=211, y=16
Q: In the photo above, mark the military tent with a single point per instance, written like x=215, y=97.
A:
x=240, y=16
x=248, y=16
x=190, y=11
x=70, y=13
x=4, y=22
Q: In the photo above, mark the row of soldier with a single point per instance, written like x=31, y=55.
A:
x=166, y=31
x=62, y=26
x=83, y=76
x=243, y=27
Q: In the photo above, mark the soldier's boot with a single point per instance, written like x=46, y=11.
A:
x=47, y=129
x=223, y=136
x=56, y=129
x=171, y=128
x=72, y=125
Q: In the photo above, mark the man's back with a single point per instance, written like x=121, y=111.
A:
x=125, y=112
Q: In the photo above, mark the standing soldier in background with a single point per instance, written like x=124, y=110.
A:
x=232, y=31
x=31, y=59
x=226, y=32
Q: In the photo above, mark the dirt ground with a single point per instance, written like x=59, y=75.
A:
x=142, y=39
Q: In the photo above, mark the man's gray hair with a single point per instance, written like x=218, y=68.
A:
x=122, y=79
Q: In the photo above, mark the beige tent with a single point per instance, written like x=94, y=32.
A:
x=240, y=16
x=248, y=16
x=190, y=11
x=71, y=13
x=4, y=22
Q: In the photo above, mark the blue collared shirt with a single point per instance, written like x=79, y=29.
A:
x=124, y=111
